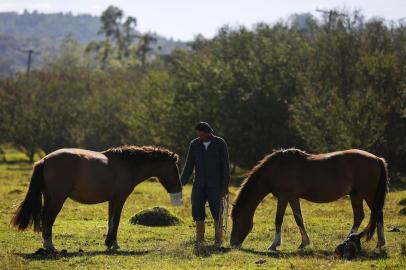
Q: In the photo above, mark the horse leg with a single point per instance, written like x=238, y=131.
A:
x=115, y=207
x=52, y=206
x=381, y=235
x=280, y=212
x=297, y=213
x=379, y=227
x=358, y=210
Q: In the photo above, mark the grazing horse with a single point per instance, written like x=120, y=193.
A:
x=293, y=174
x=90, y=177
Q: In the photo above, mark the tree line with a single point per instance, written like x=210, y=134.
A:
x=319, y=85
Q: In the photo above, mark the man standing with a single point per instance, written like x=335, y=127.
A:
x=208, y=156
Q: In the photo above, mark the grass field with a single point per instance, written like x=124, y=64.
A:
x=83, y=227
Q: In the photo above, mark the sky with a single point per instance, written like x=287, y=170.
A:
x=184, y=19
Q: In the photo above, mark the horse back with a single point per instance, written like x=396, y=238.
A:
x=83, y=175
x=327, y=177
x=76, y=153
x=351, y=164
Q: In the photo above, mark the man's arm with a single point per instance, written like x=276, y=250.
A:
x=226, y=168
x=189, y=166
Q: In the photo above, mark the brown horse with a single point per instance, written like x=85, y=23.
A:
x=93, y=177
x=293, y=174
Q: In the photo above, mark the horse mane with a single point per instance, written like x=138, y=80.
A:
x=247, y=186
x=143, y=153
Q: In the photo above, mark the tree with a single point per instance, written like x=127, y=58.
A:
x=119, y=32
x=241, y=82
x=71, y=54
x=145, y=48
x=21, y=112
x=147, y=111
x=327, y=122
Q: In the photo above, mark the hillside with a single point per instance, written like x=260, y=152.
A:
x=44, y=32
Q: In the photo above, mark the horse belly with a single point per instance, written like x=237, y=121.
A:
x=327, y=189
x=325, y=180
x=90, y=195
x=94, y=185
x=324, y=197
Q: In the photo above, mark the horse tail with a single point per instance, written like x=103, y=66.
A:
x=29, y=211
x=378, y=202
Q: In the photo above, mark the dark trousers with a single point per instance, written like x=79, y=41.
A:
x=201, y=195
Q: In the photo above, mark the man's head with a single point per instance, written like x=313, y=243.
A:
x=204, y=131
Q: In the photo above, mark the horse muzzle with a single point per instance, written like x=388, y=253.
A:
x=176, y=198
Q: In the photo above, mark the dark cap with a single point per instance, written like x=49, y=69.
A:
x=205, y=127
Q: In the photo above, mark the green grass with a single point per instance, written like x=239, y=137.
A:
x=83, y=227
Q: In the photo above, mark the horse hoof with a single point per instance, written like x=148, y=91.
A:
x=113, y=247
x=272, y=248
x=380, y=250
x=46, y=251
x=51, y=251
x=40, y=251
x=303, y=245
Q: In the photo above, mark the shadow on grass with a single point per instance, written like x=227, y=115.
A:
x=319, y=254
x=60, y=255
x=207, y=251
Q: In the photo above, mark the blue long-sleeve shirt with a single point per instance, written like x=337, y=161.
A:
x=211, y=166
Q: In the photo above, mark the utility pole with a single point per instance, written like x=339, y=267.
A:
x=331, y=13
x=30, y=52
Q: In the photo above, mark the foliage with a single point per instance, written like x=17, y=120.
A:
x=118, y=49
x=119, y=34
x=316, y=85
x=326, y=122
x=321, y=87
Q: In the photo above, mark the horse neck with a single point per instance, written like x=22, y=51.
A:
x=255, y=197
x=142, y=172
